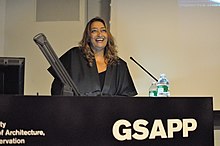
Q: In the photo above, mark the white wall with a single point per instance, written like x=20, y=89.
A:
x=21, y=27
x=2, y=26
x=99, y=8
x=216, y=137
x=182, y=42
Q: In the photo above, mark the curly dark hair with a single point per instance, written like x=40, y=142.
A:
x=110, y=52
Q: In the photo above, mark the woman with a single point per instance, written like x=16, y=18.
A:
x=94, y=66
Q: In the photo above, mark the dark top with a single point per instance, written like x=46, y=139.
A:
x=117, y=80
x=102, y=79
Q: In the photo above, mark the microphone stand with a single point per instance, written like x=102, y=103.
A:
x=144, y=69
x=69, y=88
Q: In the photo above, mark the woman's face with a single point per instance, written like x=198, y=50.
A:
x=98, y=36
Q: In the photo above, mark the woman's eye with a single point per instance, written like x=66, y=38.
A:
x=103, y=30
x=96, y=30
x=93, y=30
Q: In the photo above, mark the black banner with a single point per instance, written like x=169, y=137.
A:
x=106, y=121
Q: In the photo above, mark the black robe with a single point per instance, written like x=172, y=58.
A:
x=117, y=80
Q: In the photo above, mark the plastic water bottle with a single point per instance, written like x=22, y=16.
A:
x=153, y=89
x=163, y=86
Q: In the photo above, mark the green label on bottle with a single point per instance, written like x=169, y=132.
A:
x=153, y=93
x=162, y=88
x=163, y=91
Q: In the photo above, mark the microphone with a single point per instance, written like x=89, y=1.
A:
x=69, y=88
x=144, y=69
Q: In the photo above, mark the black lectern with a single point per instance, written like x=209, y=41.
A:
x=106, y=121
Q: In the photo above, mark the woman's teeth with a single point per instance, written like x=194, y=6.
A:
x=100, y=39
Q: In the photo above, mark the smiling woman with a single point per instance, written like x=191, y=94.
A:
x=98, y=36
x=94, y=65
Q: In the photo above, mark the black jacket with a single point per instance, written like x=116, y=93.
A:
x=117, y=79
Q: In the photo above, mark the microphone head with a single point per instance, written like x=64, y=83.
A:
x=40, y=38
